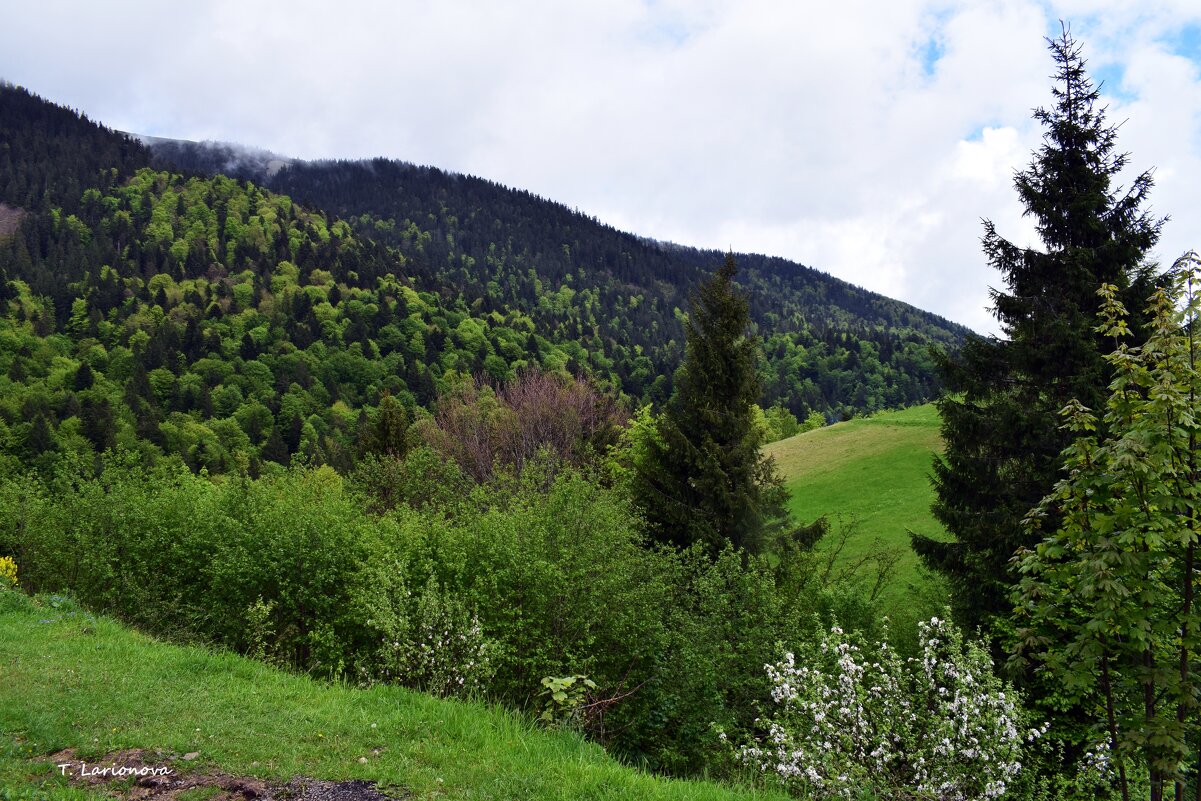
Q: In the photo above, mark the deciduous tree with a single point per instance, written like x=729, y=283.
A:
x=1107, y=599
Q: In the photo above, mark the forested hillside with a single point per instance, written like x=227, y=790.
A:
x=209, y=316
x=828, y=345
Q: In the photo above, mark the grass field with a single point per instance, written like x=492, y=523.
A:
x=873, y=470
x=71, y=680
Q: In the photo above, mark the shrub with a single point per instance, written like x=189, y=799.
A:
x=565, y=701
x=8, y=572
x=422, y=478
x=482, y=427
x=450, y=587
x=560, y=580
x=434, y=643
x=724, y=619
x=848, y=717
x=297, y=541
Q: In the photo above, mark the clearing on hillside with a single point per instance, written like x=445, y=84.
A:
x=874, y=470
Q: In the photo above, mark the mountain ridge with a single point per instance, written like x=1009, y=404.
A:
x=502, y=247
x=208, y=316
x=252, y=162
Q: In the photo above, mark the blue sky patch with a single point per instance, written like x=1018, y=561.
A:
x=929, y=54
x=1186, y=42
x=1110, y=78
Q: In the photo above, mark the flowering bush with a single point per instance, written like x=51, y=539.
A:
x=8, y=572
x=848, y=718
x=438, y=647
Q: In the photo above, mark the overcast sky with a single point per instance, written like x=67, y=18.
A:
x=866, y=139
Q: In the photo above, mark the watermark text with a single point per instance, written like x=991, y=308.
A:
x=84, y=770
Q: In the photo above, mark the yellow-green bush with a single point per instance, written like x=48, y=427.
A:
x=8, y=572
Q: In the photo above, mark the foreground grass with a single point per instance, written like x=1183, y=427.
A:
x=873, y=470
x=68, y=679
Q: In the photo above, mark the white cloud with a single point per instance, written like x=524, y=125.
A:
x=866, y=139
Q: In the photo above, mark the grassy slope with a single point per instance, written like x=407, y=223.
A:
x=875, y=470
x=70, y=680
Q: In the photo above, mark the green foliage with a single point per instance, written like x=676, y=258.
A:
x=179, y=302
x=778, y=423
x=467, y=589
x=564, y=701
x=174, y=553
x=999, y=418
x=387, y=434
x=560, y=580
x=813, y=421
x=169, y=345
x=725, y=620
x=1107, y=600
x=433, y=642
x=53, y=155
x=423, y=478
x=68, y=685
x=609, y=298
x=260, y=631
x=703, y=479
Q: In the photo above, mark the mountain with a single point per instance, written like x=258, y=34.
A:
x=830, y=346
x=220, y=319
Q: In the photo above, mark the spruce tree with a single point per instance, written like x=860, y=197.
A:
x=1000, y=420
x=703, y=478
x=387, y=432
x=274, y=449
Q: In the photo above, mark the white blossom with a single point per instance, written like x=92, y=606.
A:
x=940, y=725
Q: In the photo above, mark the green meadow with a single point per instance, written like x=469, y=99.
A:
x=69, y=679
x=872, y=474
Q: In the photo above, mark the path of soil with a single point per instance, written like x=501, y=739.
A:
x=156, y=777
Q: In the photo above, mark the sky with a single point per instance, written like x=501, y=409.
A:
x=865, y=139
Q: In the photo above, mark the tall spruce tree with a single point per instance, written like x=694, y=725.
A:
x=1000, y=421
x=704, y=478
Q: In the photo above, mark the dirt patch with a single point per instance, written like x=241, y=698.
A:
x=317, y=790
x=10, y=219
x=142, y=775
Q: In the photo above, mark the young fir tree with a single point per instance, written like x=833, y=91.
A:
x=999, y=415
x=703, y=478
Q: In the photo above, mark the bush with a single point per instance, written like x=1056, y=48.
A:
x=449, y=587
x=131, y=541
x=560, y=580
x=848, y=717
x=8, y=572
x=297, y=542
x=483, y=428
x=724, y=620
x=421, y=479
